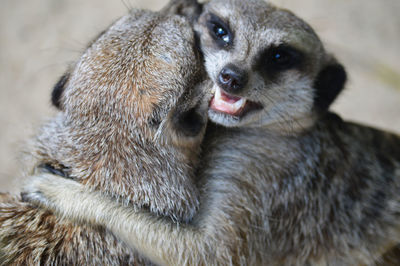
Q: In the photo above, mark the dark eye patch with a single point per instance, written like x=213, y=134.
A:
x=191, y=123
x=219, y=31
x=188, y=122
x=281, y=58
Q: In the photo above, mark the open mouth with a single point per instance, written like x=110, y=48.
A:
x=232, y=105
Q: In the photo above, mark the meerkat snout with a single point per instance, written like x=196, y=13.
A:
x=232, y=79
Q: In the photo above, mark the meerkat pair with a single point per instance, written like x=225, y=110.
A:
x=286, y=181
x=130, y=124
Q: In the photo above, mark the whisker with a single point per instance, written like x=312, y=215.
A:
x=127, y=4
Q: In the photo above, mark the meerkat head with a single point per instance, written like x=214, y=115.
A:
x=132, y=114
x=267, y=65
x=137, y=77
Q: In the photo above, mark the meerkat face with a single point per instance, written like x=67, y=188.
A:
x=138, y=77
x=268, y=66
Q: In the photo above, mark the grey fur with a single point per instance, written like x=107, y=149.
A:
x=288, y=184
x=122, y=121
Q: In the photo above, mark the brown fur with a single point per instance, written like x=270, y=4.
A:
x=288, y=184
x=32, y=236
x=124, y=114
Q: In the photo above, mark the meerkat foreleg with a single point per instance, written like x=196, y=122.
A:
x=73, y=201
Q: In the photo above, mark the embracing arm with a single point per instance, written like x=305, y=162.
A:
x=159, y=239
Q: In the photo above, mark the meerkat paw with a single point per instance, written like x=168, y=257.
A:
x=68, y=198
x=46, y=190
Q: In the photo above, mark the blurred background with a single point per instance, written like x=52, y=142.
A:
x=40, y=38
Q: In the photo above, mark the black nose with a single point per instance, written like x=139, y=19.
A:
x=232, y=79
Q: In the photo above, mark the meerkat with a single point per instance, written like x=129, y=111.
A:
x=286, y=181
x=129, y=110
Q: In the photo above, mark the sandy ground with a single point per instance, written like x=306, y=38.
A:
x=39, y=38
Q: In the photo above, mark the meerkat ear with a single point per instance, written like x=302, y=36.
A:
x=328, y=84
x=191, y=9
x=58, y=90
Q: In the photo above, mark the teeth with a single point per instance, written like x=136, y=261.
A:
x=239, y=104
x=221, y=105
x=218, y=94
x=214, y=89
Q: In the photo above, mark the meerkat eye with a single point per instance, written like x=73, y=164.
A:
x=219, y=31
x=283, y=58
